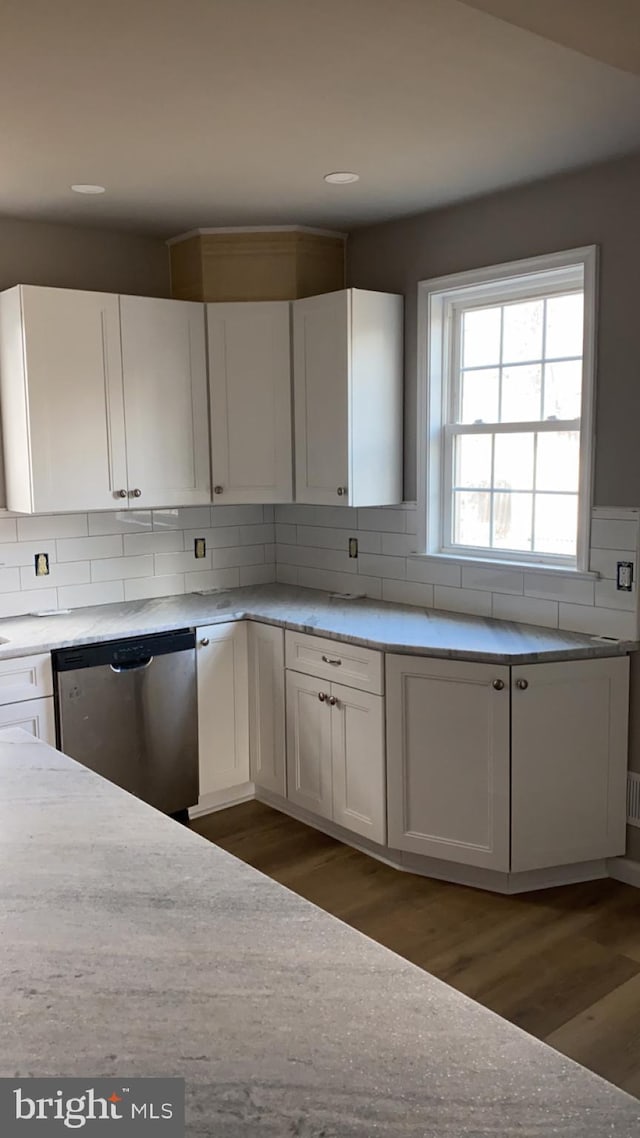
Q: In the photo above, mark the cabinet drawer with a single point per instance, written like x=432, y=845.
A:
x=334, y=660
x=26, y=677
x=33, y=715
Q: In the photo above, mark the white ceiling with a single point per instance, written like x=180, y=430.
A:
x=229, y=112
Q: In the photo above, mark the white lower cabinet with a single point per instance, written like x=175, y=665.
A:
x=266, y=707
x=34, y=715
x=510, y=769
x=335, y=754
x=223, y=707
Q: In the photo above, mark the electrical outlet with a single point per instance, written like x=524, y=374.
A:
x=41, y=561
x=624, y=576
x=199, y=547
x=353, y=547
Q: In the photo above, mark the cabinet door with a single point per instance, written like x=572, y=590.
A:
x=250, y=404
x=448, y=760
x=34, y=715
x=223, y=707
x=165, y=392
x=321, y=358
x=357, y=748
x=266, y=707
x=569, y=761
x=62, y=400
x=309, y=744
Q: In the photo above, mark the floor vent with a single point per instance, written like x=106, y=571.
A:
x=633, y=798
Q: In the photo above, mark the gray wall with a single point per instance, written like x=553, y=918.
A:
x=597, y=206
x=69, y=256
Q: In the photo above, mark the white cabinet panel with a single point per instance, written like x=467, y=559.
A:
x=357, y=741
x=34, y=715
x=223, y=711
x=25, y=677
x=348, y=398
x=165, y=385
x=309, y=774
x=250, y=401
x=62, y=399
x=350, y=664
x=569, y=761
x=448, y=760
x=266, y=707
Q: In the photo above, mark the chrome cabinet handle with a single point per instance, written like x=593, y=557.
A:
x=205, y=642
x=218, y=489
x=341, y=491
x=522, y=684
x=333, y=701
x=321, y=696
x=121, y=493
x=329, y=660
x=498, y=684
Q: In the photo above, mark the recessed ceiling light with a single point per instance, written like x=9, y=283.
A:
x=88, y=189
x=341, y=177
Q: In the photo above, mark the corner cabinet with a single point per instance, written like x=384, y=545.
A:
x=347, y=367
x=250, y=401
x=266, y=707
x=104, y=401
x=509, y=769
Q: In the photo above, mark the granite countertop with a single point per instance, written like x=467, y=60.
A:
x=375, y=624
x=131, y=946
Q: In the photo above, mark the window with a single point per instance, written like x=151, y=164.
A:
x=507, y=362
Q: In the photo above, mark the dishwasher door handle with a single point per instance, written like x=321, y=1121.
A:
x=139, y=666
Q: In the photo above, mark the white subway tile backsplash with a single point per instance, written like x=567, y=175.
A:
x=473, y=601
x=124, y=521
x=384, y=518
x=86, y=548
x=215, y=537
x=256, y=535
x=286, y=534
x=170, y=541
x=24, y=552
x=529, y=610
x=598, y=621
x=186, y=517
x=213, y=579
x=408, y=593
x=608, y=596
x=398, y=544
x=39, y=526
x=120, y=568
x=330, y=537
x=344, y=517
x=494, y=580
x=100, y=593
x=166, y=564
x=143, y=588
x=237, y=515
x=268, y=514
x=244, y=555
x=257, y=574
x=9, y=581
x=270, y=553
x=334, y=559
x=339, y=582
x=610, y=533
x=17, y=604
x=553, y=587
x=604, y=561
x=286, y=574
x=8, y=529
x=376, y=565
x=60, y=573
x=433, y=572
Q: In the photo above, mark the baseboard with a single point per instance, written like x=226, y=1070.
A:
x=624, y=869
x=221, y=799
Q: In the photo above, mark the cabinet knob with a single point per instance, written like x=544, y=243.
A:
x=218, y=489
x=332, y=700
x=341, y=491
x=321, y=696
x=498, y=684
x=522, y=684
x=205, y=641
x=135, y=493
x=121, y=493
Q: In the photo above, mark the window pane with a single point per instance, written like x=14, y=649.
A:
x=473, y=460
x=481, y=337
x=556, y=524
x=521, y=393
x=522, y=334
x=558, y=461
x=512, y=521
x=563, y=390
x=480, y=396
x=471, y=518
x=513, y=462
x=564, y=325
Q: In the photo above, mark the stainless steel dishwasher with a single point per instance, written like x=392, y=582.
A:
x=128, y=710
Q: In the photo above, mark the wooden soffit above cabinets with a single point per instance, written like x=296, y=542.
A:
x=275, y=263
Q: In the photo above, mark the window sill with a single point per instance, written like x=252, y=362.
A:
x=503, y=563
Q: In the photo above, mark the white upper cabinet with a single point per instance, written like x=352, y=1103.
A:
x=348, y=398
x=250, y=401
x=165, y=397
x=75, y=367
x=62, y=399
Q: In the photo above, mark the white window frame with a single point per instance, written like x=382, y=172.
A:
x=436, y=301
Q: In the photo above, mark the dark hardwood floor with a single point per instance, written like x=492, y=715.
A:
x=564, y=964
